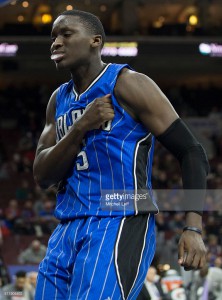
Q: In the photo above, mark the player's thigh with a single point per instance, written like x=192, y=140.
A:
x=114, y=260
x=94, y=272
x=55, y=269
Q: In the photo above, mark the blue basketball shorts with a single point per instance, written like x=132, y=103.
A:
x=97, y=258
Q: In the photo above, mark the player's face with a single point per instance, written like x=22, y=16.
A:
x=71, y=42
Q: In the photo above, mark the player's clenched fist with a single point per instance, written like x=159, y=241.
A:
x=98, y=112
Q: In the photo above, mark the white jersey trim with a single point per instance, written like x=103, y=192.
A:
x=116, y=256
x=94, y=81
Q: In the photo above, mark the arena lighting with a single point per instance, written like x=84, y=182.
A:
x=213, y=49
x=25, y=4
x=20, y=18
x=166, y=267
x=193, y=20
x=159, y=23
x=46, y=18
x=8, y=49
x=69, y=7
x=120, y=49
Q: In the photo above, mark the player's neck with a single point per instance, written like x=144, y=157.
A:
x=85, y=74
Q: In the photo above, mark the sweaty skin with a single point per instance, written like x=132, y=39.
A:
x=76, y=49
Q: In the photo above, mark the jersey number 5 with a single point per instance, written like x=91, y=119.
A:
x=85, y=163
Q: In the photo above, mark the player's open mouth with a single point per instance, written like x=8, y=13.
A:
x=57, y=57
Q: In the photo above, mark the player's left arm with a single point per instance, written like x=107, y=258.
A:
x=143, y=99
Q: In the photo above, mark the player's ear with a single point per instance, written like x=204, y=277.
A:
x=96, y=41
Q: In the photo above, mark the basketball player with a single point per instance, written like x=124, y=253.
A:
x=97, y=146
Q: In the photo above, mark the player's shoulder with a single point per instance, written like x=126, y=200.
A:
x=127, y=75
x=116, y=69
x=130, y=80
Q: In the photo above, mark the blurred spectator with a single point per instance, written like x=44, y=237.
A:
x=39, y=196
x=17, y=290
x=209, y=203
x=27, y=164
x=27, y=212
x=211, y=226
x=4, y=278
x=26, y=142
x=12, y=214
x=151, y=289
x=4, y=171
x=23, y=191
x=47, y=219
x=1, y=238
x=4, y=230
x=176, y=223
x=207, y=284
x=32, y=279
x=218, y=262
x=16, y=162
x=33, y=254
x=161, y=224
x=27, y=222
x=214, y=249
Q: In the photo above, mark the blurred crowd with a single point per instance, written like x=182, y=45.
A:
x=26, y=210
x=22, y=287
x=205, y=284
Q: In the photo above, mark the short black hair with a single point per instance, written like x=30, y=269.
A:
x=20, y=274
x=90, y=21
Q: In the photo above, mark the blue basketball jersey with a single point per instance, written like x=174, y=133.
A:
x=111, y=174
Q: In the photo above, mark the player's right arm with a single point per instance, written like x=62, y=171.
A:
x=54, y=160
